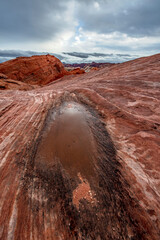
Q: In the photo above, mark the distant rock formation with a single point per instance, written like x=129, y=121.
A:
x=73, y=71
x=87, y=67
x=80, y=157
x=35, y=70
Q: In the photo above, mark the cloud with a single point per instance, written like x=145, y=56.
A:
x=69, y=57
x=135, y=18
x=97, y=55
x=35, y=20
x=102, y=26
x=20, y=53
x=6, y=55
x=116, y=42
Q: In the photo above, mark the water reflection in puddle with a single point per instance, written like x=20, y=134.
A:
x=68, y=138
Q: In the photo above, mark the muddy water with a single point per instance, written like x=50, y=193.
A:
x=75, y=179
x=68, y=139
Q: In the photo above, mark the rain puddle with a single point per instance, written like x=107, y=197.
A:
x=67, y=138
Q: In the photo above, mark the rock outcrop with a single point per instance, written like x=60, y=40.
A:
x=74, y=71
x=80, y=156
x=8, y=84
x=35, y=70
x=88, y=66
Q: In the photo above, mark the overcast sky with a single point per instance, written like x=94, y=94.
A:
x=104, y=26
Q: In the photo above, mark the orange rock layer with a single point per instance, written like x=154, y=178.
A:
x=8, y=84
x=76, y=71
x=36, y=70
x=115, y=193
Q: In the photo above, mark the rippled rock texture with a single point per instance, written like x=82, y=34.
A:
x=9, y=84
x=80, y=156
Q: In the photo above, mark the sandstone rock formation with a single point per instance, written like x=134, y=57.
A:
x=6, y=83
x=80, y=156
x=74, y=71
x=87, y=66
x=36, y=70
x=26, y=73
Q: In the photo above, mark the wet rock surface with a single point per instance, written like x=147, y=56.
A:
x=68, y=122
x=110, y=189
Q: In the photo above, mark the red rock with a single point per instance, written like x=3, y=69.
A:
x=2, y=76
x=87, y=67
x=8, y=84
x=35, y=70
x=116, y=194
x=76, y=71
x=94, y=68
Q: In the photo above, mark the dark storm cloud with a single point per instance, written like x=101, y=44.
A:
x=41, y=20
x=135, y=18
x=87, y=55
x=16, y=53
x=19, y=53
x=31, y=20
x=8, y=54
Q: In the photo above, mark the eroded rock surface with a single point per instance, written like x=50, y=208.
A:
x=49, y=193
x=74, y=71
x=88, y=66
x=8, y=84
x=35, y=70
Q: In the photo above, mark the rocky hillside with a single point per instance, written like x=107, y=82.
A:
x=80, y=156
x=6, y=83
x=35, y=70
x=88, y=66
